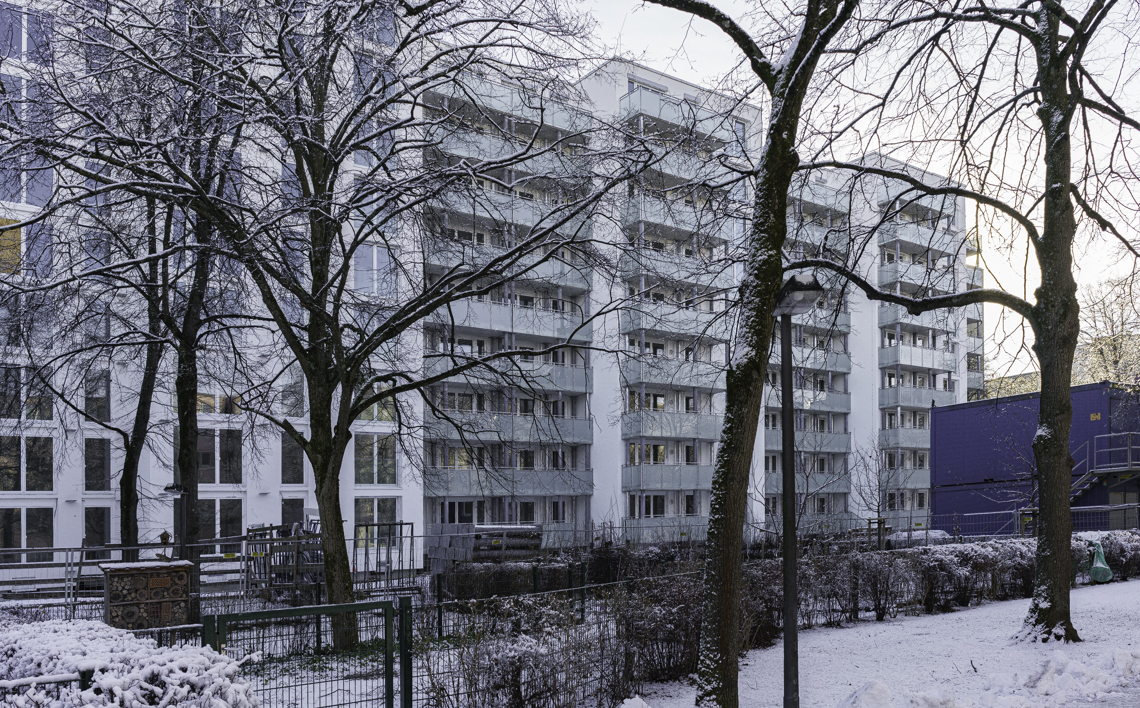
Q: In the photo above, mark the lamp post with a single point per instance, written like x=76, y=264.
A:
x=798, y=296
x=180, y=493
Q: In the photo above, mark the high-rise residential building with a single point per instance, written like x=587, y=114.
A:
x=868, y=373
x=617, y=416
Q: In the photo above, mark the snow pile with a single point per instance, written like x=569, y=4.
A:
x=1059, y=682
x=634, y=702
x=129, y=671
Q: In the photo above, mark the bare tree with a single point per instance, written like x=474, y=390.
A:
x=1026, y=80
x=1109, y=346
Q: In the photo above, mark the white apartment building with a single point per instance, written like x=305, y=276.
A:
x=592, y=434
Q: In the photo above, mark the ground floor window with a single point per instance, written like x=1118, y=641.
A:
x=292, y=512
x=26, y=528
x=374, y=510
x=97, y=530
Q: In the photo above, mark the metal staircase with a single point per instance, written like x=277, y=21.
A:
x=1086, y=481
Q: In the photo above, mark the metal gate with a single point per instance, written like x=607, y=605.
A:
x=327, y=656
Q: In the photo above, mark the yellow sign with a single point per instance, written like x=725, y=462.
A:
x=1094, y=416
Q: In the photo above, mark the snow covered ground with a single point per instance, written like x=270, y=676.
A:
x=965, y=659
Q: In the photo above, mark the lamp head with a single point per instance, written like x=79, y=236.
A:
x=799, y=295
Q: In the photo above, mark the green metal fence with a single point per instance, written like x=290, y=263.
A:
x=327, y=655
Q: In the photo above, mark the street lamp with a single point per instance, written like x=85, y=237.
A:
x=180, y=493
x=797, y=297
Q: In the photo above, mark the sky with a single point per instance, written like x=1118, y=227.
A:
x=695, y=50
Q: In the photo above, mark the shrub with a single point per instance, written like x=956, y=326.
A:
x=129, y=671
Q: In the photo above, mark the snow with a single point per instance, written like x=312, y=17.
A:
x=1043, y=431
x=144, y=565
x=129, y=670
x=635, y=702
x=964, y=659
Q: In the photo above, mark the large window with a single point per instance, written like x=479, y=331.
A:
x=97, y=465
x=292, y=460
x=292, y=512
x=26, y=528
x=219, y=456
x=374, y=271
x=97, y=530
x=97, y=395
x=26, y=464
x=375, y=458
x=374, y=510
x=217, y=518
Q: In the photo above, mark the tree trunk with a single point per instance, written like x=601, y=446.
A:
x=327, y=444
x=1056, y=329
x=744, y=384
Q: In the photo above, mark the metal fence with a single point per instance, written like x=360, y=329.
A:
x=44, y=690
x=332, y=655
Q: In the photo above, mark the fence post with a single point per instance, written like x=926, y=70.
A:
x=405, y=652
x=86, y=676
x=389, y=668
x=209, y=631
x=439, y=605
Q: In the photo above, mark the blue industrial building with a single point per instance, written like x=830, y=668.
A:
x=982, y=461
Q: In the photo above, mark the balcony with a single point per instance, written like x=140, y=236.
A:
x=502, y=317
x=671, y=425
x=676, y=373
x=505, y=427
x=668, y=319
x=683, y=114
x=814, y=358
x=675, y=267
x=813, y=483
x=538, y=374
x=939, y=243
x=677, y=218
x=905, y=437
x=812, y=400
x=503, y=207
x=974, y=311
x=498, y=482
x=896, y=314
x=821, y=318
x=448, y=254
x=507, y=100
x=975, y=379
x=665, y=529
x=915, y=274
x=914, y=397
x=918, y=357
x=809, y=441
x=666, y=477
x=478, y=147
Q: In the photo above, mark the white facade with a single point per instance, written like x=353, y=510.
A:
x=627, y=441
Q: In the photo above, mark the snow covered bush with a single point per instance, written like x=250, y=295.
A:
x=664, y=618
x=129, y=671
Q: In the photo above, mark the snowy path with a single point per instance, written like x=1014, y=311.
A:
x=958, y=660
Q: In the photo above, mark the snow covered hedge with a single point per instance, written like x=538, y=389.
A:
x=129, y=671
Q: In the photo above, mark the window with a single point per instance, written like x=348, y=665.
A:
x=770, y=464
x=220, y=518
x=973, y=328
x=10, y=393
x=690, y=455
x=526, y=406
x=292, y=512
x=558, y=511
x=97, y=529
x=920, y=460
x=690, y=504
x=97, y=395
x=374, y=270
x=26, y=528
x=892, y=501
x=372, y=510
x=384, y=410
x=224, y=464
x=293, y=394
x=375, y=459
x=891, y=460
x=821, y=505
x=526, y=512
x=292, y=461
x=632, y=506
x=690, y=404
x=37, y=464
x=973, y=362
x=40, y=402
x=920, y=500
x=97, y=465
x=655, y=505
x=524, y=459
x=821, y=464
